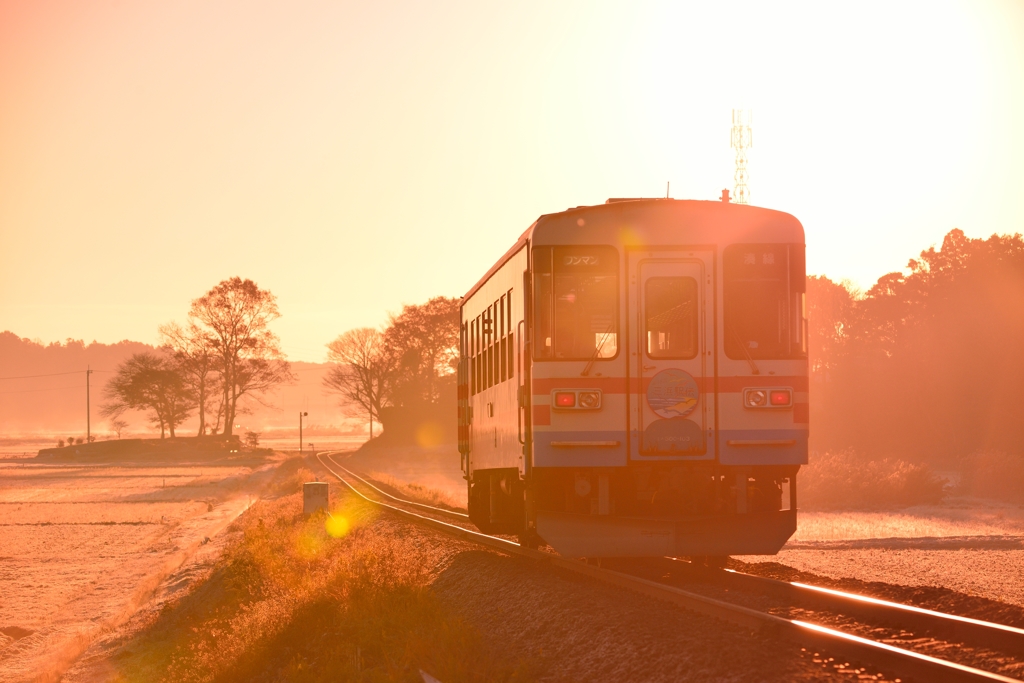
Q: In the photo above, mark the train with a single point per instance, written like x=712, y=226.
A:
x=633, y=381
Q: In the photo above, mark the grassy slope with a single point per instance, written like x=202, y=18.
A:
x=290, y=601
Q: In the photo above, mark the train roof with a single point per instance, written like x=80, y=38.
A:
x=636, y=222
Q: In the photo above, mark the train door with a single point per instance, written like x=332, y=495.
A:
x=672, y=402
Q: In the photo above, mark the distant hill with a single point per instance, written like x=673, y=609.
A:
x=42, y=392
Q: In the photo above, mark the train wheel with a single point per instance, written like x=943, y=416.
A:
x=530, y=539
x=716, y=561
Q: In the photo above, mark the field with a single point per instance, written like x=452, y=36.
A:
x=106, y=572
x=973, y=546
x=83, y=546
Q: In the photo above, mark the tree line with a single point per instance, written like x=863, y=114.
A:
x=225, y=351
x=926, y=363
x=409, y=363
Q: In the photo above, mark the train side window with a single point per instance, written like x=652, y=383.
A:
x=496, y=342
x=576, y=306
x=490, y=344
x=670, y=317
x=501, y=316
x=510, y=352
x=763, y=307
x=502, y=362
x=476, y=356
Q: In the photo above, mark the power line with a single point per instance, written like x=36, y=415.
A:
x=52, y=374
x=26, y=391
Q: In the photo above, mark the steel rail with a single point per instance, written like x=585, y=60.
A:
x=906, y=663
x=422, y=506
x=976, y=631
x=981, y=633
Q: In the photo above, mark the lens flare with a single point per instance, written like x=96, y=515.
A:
x=630, y=236
x=336, y=526
x=429, y=435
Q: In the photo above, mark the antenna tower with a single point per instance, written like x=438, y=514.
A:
x=742, y=140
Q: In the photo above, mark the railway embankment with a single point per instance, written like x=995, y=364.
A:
x=365, y=595
x=900, y=637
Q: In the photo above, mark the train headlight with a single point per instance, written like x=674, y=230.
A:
x=755, y=398
x=576, y=399
x=769, y=397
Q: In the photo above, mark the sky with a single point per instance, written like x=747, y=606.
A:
x=355, y=157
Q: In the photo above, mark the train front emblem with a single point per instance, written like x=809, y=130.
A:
x=673, y=393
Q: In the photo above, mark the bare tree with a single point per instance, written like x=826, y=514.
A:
x=118, y=426
x=364, y=373
x=196, y=353
x=149, y=382
x=236, y=314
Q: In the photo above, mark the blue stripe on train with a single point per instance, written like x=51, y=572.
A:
x=553, y=449
x=581, y=449
x=745, y=449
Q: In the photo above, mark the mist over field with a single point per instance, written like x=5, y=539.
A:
x=55, y=405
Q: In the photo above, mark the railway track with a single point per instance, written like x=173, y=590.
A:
x=841, y=642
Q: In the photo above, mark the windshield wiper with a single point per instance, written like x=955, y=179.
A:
x=746, y=352
x=597, y=351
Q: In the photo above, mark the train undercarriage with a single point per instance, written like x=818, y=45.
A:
x=683, y=509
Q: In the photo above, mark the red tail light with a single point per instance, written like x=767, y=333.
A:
x=565, y=399
x=780, y=398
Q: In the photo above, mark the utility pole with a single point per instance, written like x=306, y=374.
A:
x=88, y=412
x=742, y=140
x=301, y=415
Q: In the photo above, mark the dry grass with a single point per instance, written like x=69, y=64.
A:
x=290, y=476
x=846, y=480
x=315, y=599
x=415, y=492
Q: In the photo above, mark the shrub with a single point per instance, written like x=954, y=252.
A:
x=252, y=440
x=846, y=480
x=992, y=475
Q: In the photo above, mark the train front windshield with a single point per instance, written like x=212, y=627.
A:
x=764, y=299
x=577, y=290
